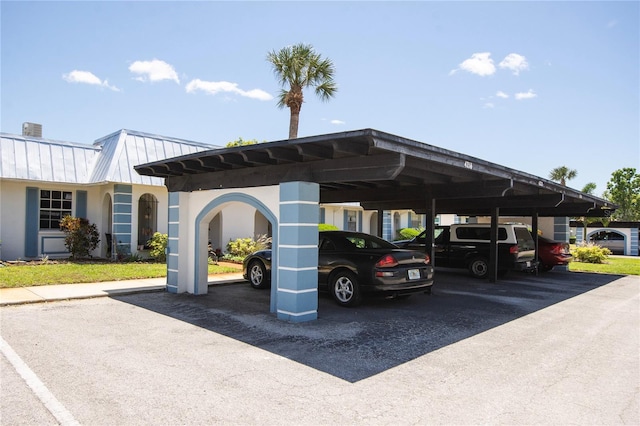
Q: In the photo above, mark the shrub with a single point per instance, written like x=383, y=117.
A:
x=408, y=233
x=327, y=227
x=81, y=238
x=242, y=247
x=590, y=253
x=158, y=244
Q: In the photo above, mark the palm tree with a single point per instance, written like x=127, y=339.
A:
x=296, y=68
x=562, y=174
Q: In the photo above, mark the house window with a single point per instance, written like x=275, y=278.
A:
x=352, y=220
x=417, y=221
x=147, y=218
x=54, y=205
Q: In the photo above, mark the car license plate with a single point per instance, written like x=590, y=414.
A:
x=528, y=264
x=414, y=274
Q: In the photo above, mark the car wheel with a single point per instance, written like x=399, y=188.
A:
x=345, y=289
x=257, y=274
x=544, y=268
x=479, y=267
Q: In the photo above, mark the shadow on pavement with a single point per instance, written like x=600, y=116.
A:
x=356, y=343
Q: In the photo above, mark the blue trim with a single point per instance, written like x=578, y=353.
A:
x=258, y=205
x=359, y=220
x=32, y=222
x=81, y=204
x=322, y=215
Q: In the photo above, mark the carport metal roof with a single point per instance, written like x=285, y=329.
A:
x=382, y=172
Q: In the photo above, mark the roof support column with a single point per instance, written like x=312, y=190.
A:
x=297, y=261
x=493, y=246
x=534, y=233
x=431, y=222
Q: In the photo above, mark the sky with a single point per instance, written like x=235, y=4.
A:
x=527, y=85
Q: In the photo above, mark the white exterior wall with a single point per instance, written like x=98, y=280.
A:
x=238, y=221
x=13, y=213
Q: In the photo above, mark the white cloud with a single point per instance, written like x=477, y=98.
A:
x=215, y=87
x=337, y=122
x=155, y=70
x=480, y=64
x=612, y=23
x=526, y=95
x=489, y=105
x=502, y=95
x=515, y=63
x=87, y=77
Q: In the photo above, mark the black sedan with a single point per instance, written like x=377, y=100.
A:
x=351, y=264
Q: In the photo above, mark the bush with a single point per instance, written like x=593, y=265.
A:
x=242, y=247
x=409, y=233
x=326, y=227
x=81, y=238
x=590, y=253
x=158, y=244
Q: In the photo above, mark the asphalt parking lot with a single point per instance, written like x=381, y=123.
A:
x=556, y=348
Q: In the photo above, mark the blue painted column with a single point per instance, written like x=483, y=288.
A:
x=122, y=210
x=386, y=225
x=634, y=243
x=172, y=242
x=561, y=232
x=297, y=261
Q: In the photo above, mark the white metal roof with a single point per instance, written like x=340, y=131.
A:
x=109, y=159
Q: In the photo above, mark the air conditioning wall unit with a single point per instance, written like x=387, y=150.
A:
x=32, y=129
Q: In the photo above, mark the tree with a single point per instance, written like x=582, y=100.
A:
x=624, y=190
x=296, y=68
x=589, y=188
x=241, y=142
x=562, y=174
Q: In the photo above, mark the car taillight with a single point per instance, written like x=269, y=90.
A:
x=557, y=249
x=427, y=259
x=513, y=249
x=387, y=261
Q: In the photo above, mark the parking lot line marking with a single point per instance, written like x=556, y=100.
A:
x=62, y=415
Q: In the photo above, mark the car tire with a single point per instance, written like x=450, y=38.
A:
x=544, y=268
x=258, y=274
x=344, y=288
x=479, y=267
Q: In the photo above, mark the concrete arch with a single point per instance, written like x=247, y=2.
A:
x=201, y=225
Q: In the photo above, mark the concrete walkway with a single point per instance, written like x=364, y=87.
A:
x=50, y=293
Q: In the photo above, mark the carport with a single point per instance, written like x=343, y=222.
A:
x=286, y=180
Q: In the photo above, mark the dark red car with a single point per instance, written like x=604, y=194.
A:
x=552, y=253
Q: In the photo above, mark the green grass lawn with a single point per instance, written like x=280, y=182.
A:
x=83, y=272
x=619, y=265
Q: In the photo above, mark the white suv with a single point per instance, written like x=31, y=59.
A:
x=467, y=246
